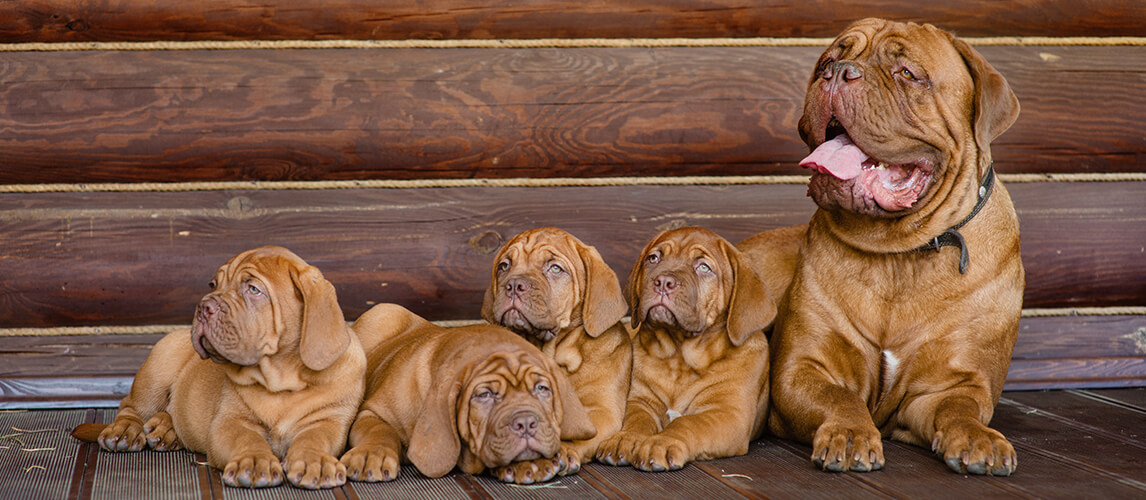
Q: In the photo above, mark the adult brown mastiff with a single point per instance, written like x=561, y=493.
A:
x=905, y=305
x=474, y=397
x=558, y=293
x=700, y=356
x=265, y=383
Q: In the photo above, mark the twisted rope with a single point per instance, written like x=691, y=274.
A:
x=514, y=182
x=154, y=329
x=1021, y=41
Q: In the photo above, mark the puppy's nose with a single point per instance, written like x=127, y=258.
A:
x=208, y=308
x=516, y=287
x=524, y=424
x=664, y=284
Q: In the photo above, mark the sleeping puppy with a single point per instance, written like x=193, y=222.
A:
x=268, y=378
x=559, y=294
x=474, y=397
x=700, y=356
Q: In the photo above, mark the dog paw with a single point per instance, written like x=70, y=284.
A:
x=371, y=464
x=566, y=462
x=839, y=448
x=528, y=471
x=253, y=470
x=660, y=453
x=313, y=470
x=160, y=431
x=124, y=434
x=618, y=449
x=969, y=447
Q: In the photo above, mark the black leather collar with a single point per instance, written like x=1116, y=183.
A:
x=952, y=237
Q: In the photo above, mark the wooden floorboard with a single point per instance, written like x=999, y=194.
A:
x=1071, y=444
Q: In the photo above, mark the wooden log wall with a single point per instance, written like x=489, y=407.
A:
x=355, y=128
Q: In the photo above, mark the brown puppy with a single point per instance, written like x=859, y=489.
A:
x=474, y=397
x=700, y=356
x=559, y=294
x=275, y=384
x=887, y=333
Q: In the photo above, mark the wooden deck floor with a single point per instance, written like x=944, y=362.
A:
x=1071, y=444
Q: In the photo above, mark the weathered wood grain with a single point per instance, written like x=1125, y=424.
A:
x=61, y=20
x=145, y=258
x=497, y=113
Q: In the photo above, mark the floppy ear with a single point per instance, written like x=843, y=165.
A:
x=575, y=421
x=633, y=289
x=491, y=290
x=751, y=308
x=325, y=335
x=602, y=305
x=434, y=444
x=996, y=107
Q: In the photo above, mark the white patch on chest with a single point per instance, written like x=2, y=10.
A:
x=672, y=415
x=889, y=370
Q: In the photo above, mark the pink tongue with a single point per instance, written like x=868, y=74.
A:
x=839, y=157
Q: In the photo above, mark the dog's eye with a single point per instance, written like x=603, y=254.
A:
x=703, y=268
x=254, y=290
x=542, y=390
x=556, y=269
x=503, y=266
x=653, y=258
x=483, y=395
x=906, y=74
x=212, y=284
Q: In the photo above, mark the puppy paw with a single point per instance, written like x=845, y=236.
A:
x=253, y=470
x=528, y=471
x=124, y=434
x=371, y=464
x=969, y=447
x=313, y=470
x=660, y=453
x=839, y=448
x=566, y=462
x=619, y=449
x=160, y=431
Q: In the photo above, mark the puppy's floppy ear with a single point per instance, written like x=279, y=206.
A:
x=633, y=289
x=491, y=291
x=575, y=421
x=996, y=107
x=751, y=308
x=602, y=304
x=434, y=443
x=324, y=335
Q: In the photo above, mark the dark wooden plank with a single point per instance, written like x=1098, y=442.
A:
x=495, y=113
x=72, y=259
x=1062, y=460
x=1087, y=411
x=60, y=20
x=1076, y=352
x=1134, y=399
x=1066, y=247
x=74, y=355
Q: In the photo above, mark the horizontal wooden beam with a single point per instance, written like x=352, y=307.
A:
x=433, y=113
x=62, y=20
x=82, y=259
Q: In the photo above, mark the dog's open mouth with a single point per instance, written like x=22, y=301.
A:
x=893, y=187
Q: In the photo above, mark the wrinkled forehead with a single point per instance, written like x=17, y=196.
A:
x=687, y=244
x=266, y=263
x=545, y=241
x=514, y=368
x=889, y=40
